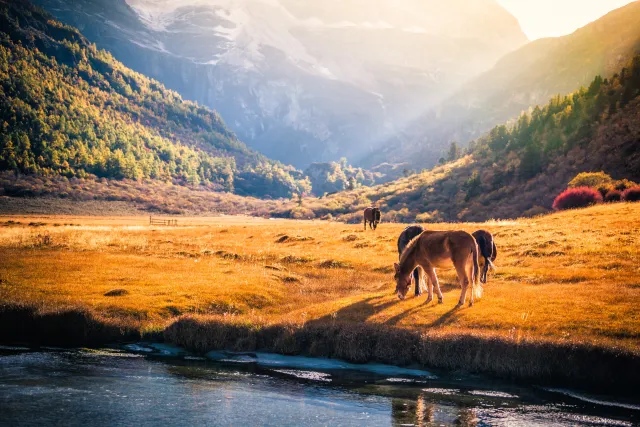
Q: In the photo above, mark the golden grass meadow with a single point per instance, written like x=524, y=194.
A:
x=567, y=279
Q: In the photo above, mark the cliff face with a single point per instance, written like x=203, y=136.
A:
x=303, y=81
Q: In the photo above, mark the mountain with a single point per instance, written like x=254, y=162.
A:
x=303, y=81
x=67, y=108
x=525, y=78
x=512, y=171
x=515, y=170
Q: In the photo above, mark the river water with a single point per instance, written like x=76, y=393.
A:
x=144, y=385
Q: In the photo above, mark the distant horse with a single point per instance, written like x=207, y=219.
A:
x=487, y=247
x=407, y=235
x=438, y=249
x=372, y=215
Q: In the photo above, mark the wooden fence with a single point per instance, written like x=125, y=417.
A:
x=159, y=221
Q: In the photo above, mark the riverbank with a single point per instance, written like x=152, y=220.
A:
x=535, y=361
x=561, y=308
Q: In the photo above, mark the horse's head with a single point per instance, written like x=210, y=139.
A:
x=403, y=282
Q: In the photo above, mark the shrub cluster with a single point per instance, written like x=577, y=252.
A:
x=589, y=188
x=579, y=197
x=613, y=196
x=631, y=194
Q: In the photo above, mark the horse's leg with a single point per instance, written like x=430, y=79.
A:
x=433, y=282
x=461, y=270
x=472, y=282
x=436, y=283
x=417, y=278
x=365, y=224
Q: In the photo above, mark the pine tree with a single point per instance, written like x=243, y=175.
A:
x=454, y=152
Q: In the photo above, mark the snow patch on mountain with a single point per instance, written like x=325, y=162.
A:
x=248, y=26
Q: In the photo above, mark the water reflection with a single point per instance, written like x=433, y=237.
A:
x=422, y=412
x=113, y=388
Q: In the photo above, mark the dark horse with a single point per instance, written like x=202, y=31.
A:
x=373, y=216
x=406, y=236
x=488, y=250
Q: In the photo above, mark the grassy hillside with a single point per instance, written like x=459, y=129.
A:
x=516, y=170
x=527, y=77
x=569, y=279
x=70, y=109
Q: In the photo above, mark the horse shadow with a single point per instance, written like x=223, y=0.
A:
x=359, y=311
x=447, y=318
x=363, y=310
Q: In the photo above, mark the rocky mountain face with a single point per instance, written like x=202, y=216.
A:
x=527, y=77
x=303, y=80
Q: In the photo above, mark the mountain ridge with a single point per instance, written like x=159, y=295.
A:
x=297, y=88
x=519, y=81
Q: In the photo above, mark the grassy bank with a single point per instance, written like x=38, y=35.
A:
x=539, y=361
x=561, y=307
x=536, y=360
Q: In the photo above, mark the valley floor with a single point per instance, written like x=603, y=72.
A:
x=569, y=279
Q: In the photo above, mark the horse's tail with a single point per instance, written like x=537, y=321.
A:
x=488, y=251
x=489, y=257
x=490, y=263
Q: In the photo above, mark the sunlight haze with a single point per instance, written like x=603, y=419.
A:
x=553, y=18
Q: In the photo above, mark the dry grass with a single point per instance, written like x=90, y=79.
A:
x=571, y=277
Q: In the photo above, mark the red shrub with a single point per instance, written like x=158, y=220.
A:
x=613, y=196
x=631, y=195
x=580, y=197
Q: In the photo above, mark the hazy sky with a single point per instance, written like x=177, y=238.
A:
x=550, y=18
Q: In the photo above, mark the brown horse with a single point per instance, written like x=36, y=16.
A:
x=406, y=236
x=372, y=215
x=438, y=249
x=488, y=250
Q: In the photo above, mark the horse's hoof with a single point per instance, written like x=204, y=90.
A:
x=471, y=304
x=459, y=305
x=428, y=301
x=440, y=301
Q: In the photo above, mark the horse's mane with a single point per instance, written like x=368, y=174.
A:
x=409, y=249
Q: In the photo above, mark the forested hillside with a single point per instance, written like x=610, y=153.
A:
x=517, y=170
x=521, y=80
x=67, y=108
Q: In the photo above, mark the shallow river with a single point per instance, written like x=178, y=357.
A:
x=141, y=385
